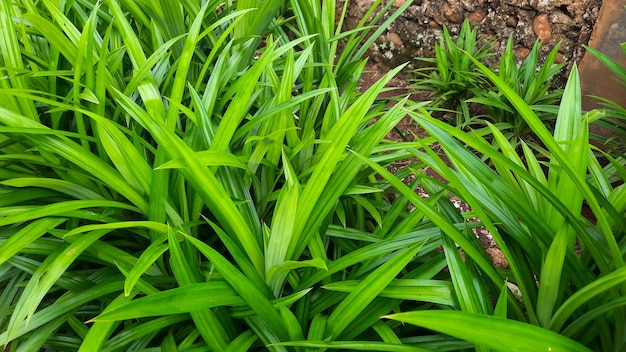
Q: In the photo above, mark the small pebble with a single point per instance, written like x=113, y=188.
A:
x=395, y=39
x=452, y=15
x=511, y=21
x=522, y=53
x=477, y=15
x=542, y=27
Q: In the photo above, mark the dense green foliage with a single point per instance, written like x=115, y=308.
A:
x=451, y=76
x=456, y=82
x=206, y=176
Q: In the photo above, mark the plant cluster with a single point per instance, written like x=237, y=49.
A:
x=451, y=75
x=456, y=82
x=205, y=176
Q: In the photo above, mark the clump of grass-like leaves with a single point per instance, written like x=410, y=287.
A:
x=568, y=269
x=531, y=80
x=172, y=181
x=462, y=90
x=204, y=176
x=452, y=77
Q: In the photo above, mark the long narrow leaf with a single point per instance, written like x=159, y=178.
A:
x=481, y=329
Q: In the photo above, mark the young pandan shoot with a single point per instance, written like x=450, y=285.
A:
x=530, y=80
x=452, y=77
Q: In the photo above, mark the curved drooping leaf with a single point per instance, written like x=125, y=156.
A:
x=493, y=332
x=180, y=300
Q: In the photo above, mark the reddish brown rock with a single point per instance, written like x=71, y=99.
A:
x=511, y=21
x=398, y=3
x=454, y=15
x=434, y=24
x=395, y=39
x=477, y=15
x=542, y=27
x=559, y=58
x=522, y=53
x=597, y=79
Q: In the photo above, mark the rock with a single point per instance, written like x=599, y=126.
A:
x=559, y=58
x=395, y=39
x=453, y=14
x=561, y=19
x=477, y=15
x=398, y=3
x=511, y=21
x=521, y=53
x=542, y=27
